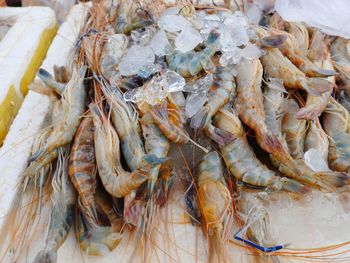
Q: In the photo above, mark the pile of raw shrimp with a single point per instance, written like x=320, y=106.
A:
x=263, y=101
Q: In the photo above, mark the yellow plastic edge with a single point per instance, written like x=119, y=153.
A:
x=38, y=57
x=8, y=109
x=11, y=104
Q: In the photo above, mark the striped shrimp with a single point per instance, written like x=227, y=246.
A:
x=273, y=107
x=276, y=65
x=125, y=120
x=72, y=106
x=336, y=125
x=320, y=55
x=250, y=107
x=115, y=179
x=82, y=170
x=340, y=50
x=294, y=130
x=290, y=49
x=241, y=160
x=62, y=214
x=169, y=120
x=214, y=200
x=223, y=89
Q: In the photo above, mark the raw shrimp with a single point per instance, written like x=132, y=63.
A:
x=273, y=107
x=276, y=65
x=155, y=143
x=241, y=160
x=101, y=239
x=336, y=125
x=72, y=107
x=170, y=122
x=82, y=170
x=250, y=107
x=62, y=215
x=125, y=120
x=129, y=17
x=214, y=200
x=293, y=130
x=115, y=179
x=223, y=89
x=315, y=105
x=191, y=63
x=340, y=50
x=249, y=101
x=289, y=48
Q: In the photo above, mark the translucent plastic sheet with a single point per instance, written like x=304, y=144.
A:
x=332, y=17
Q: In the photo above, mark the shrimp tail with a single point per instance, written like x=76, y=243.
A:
x=48, y=79
x=220, y=136
x=308, y=113
x=199, y=120
x=293, y=186
x=332, y=180
x=323, y=73
x=273, y=41
x=316, y=86
x=46, y=256
x=269, y=142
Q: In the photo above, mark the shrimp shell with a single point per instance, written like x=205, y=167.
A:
x=214, y=201
x=82, y=169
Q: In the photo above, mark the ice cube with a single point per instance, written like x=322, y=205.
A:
x=154, y=93
x=251, y=51
x=160, y=44
x=143, y=37
x=131, y=95
x=314, y=160
x=200, y=85
x=206, y=82
x=231, y=57
x=188, y=39
x=254, y=14
x=173, y=23
x=136, y=58
x=147, y=70
x=172, y=81
x=194, y=102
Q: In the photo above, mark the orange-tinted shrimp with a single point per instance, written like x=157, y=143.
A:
x=82, y=169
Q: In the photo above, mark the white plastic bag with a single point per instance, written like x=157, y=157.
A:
x=331, y=17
